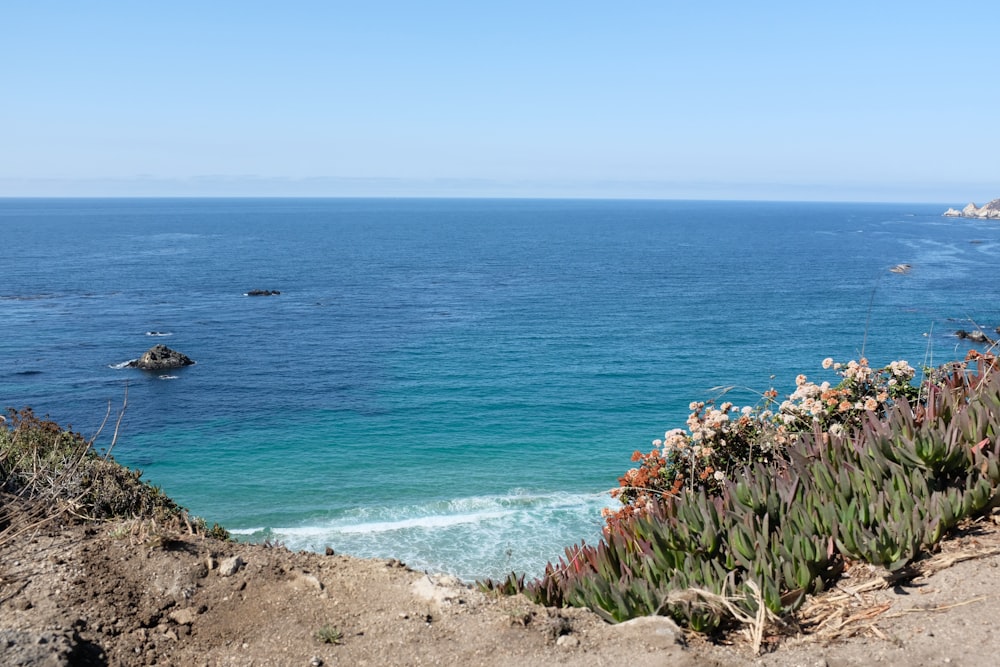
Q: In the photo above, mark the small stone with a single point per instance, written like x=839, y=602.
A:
x=303, y=580
x=654, y=630
x=184, y=616
x=316, y=661
x=230, y=566
x=568, y=641
x=330, y=551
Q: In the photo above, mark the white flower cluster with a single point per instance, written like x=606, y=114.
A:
x=862, y=389
x=859, y=372
x=675, y=438
x=707, y=426
x=901, y=371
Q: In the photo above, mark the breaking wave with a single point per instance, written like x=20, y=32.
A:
x=471, y=538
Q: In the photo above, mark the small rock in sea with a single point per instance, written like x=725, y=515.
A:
x=976, y=336
x=160, y=357
x=263, y=292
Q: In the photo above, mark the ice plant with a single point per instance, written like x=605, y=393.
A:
x=881, y=490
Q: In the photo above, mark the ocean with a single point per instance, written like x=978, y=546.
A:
x=453, y=383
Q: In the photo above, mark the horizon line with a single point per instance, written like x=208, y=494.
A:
x=458, y=197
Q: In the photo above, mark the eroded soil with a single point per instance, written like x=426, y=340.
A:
x=126, y=594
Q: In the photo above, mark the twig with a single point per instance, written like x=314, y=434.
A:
x=757, y=627
x=946, y=607
x=868, y=315
x=118, y=423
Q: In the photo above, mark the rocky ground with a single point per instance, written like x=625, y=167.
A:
x=134, y=594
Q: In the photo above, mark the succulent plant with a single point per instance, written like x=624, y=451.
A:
x=884, y=492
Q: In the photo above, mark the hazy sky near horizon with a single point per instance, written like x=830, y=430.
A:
x=856, y=101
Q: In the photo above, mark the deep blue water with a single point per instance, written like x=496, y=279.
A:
x=454, y=383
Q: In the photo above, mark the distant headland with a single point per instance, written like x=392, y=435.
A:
x=990, y=211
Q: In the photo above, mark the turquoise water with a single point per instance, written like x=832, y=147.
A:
x=454, y=383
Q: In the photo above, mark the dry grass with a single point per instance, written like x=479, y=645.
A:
x=48, y=473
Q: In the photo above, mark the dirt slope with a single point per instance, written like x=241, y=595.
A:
x=121, y=594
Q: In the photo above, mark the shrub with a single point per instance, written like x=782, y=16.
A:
x=39, y=459
x=55, y=470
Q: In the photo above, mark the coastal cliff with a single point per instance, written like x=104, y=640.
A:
x=989, y=211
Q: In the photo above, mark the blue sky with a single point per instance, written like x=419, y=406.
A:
x=855, y=101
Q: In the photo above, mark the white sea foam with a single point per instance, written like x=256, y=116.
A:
x=159, y=333
x=124, y=364
x=168, y=377
x=420, y=522
x=470, y=537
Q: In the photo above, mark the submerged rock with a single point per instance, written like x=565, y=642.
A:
x=263, y=292
x=160, y=357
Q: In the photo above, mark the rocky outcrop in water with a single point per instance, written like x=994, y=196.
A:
x=976, y=336
x=160, y=357
x=263, y=292
x=990, y=211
